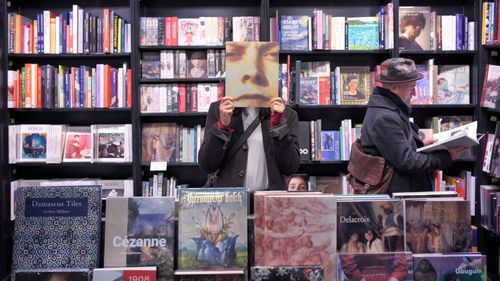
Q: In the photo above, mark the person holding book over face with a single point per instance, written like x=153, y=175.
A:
x=271, y=149
x=388, y=132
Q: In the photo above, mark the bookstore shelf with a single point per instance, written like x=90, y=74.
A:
x=74, y=117
x=174, y=164
x=336, y=52
x=175, y=114
x=160, y=48
x=181, y=80
x=434, y=53
x=69, y=56
x=70, y=170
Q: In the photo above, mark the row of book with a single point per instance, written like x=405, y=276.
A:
x=183, y=64
x=50, y=86
x=201, y=31
x=160, y=185
x=61, y=143
x=75, y=32
x=170, y=142
x=179, y=97
x=489, y=27
x=326, y=32
x=289, y=230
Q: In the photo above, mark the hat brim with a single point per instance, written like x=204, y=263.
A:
x=418, y=76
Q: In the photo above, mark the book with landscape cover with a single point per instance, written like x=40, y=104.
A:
x=294, y=33
x=60, y=222
x=363, y=33
x=463, y=136
x=212, y=229
x=466, y=266
x=140, y=232
x=382, y=266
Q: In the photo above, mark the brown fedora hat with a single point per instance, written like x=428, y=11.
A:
x=398, y=70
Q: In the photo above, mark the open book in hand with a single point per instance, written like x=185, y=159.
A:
x=463, y=136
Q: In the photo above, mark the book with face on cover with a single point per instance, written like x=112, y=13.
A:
x=466, y=266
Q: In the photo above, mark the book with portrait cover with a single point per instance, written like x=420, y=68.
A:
x=252, y=73
x=354, y=84
x=466, y=266
x=78, y=144
x=294, y=33
x=59, y=274
x=363, y=33
x=286, y=273
x=452, y=85
x=140, y=232
x=383, y=266
x=437, y=225
x=189, y=31
x=160, y=142
x=411, y=38
x=370, y=226
x=60, y=222
x=212, y=229
x=125, y=273
x=112, y=142
x=197, y=64
x=296, y=229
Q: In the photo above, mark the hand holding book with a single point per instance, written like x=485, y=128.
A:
x=460, y=137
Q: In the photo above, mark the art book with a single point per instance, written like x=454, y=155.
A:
x=296, y=229
x=363, y=33
x=150, y=65
x=189, y=31
x=354, y=84
x=491, y=85
x=59, y=274
x=452, y=85
x=309, y=90
x=197, y=64
x=385, y=266
x=467, y=266
x=140, y=232
x=60, y=222
x=286, y=273
x=112, y=143
x=125, y=273
x=424, y=86
x=33, y=143
x=252, y=73
x=330, y=145
x=437, y=225
x=463, y=136
x=375, y=226
x=78, y=144
x=294, y=33
x=411, y=38
x=212, y=229
x=160, y=142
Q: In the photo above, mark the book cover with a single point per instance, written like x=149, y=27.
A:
x=62, y=222
x=495, y=154
x=330, y=145
x=286, y=273
x=252, y=73
x=112, y=143
x=210, y=275
x=453, y=85
x=423, y=89
x=212, y=229
x=414, y=28
x=384, y=266
x=78, y=144
x=150, y=65
x=463, y=136
x=125, y=273
x=294, y=33
x=189, y=31
x=467, y=266
x=491, y=85
x=197, y=64
x=309, y=90
x=354, y=84
x=59, y=274
x=159, y=142
x=140, y=232
x=437, y=225
x=363, y=33
x=34, y=140
x=370, y=227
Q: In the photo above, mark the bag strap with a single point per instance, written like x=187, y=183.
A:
x=243, y=138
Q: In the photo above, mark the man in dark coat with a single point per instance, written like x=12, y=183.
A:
x=387, y=130
x=275, y=151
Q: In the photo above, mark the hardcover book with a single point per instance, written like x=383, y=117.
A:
x=286, y=273
x=112, y=143
x=363, y=33
x=370, y=227
x=150, y=65
x=160, y=142
x=60, y=274
x=33, y=143
x=467, y=266
x=463, y=136
x=189, y=31
x=453, y=84
x=354, y=84
x=140, y=232
x=309, y=90
x=78, y=145
x=61, y=222
x=411, y=38
x=437, y=225
x=197, y=64
x=294, y=33
x=385, y=266
x=124, y=273
x=252, y=73
x=211, y=275
x=212, y=229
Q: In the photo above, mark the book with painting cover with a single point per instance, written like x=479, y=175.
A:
x=309, y=90
x=466, y=266
x=363, y=33
x=197, y=64
x=381, y=266
x=424, y=87
x=294, y=33
x=33, y=143
x=452, y=85
x=354, y=84
x=78, y=144
x=125, y=273
x=60, y=222
x=150, y=65
x=140, y=232
x=409, y=38
x=491, y=86
x=160, y=142
x=286, y=273
x=112, y=143
x=212, y=229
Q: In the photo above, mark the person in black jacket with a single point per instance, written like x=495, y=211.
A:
x=270, y=152
x=388, y=132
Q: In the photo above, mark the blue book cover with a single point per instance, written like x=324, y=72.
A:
x=466, y=266
x=212, y=229
x=363, y=33
x=336, y=145
x=328, y=146
x=309, y=90
x=294, y=33
x=140, y=232
x=60, y=222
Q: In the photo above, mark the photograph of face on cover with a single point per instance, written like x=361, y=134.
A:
x=252, y=73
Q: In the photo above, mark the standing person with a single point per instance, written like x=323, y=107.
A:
x=410, y=28
x=387, y=131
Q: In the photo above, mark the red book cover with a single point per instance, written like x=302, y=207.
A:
x=174, y=27
x=105, y=30
x=194, y=98
x=129, y=88
x=39, y=87
x=168, y=31
x=324, y=90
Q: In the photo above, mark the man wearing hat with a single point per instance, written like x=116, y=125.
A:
x=387, y=131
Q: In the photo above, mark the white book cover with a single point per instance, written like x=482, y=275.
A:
x=111, y=143
x=78, y=144
x=33, y=143
x=463, y=136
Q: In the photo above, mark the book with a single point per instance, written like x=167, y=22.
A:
x=354, y=84
x=466, y=266
x=294, y=33
x=125, y=273
x=452, y=85
x=140, y=232
x=252, y=73
x=424, y=194
x=463, y=136
x=160, y=142
x=409, y=38
x=210, y=275
x=212, y=229
x=60, y=274
x=286, y=273
x=78, y=144
x=150, y=65
x=197, y=64
x=382, y=266
x=363, y=33
x=62, y=222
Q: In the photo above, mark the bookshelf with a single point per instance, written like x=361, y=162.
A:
x=188, y=172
